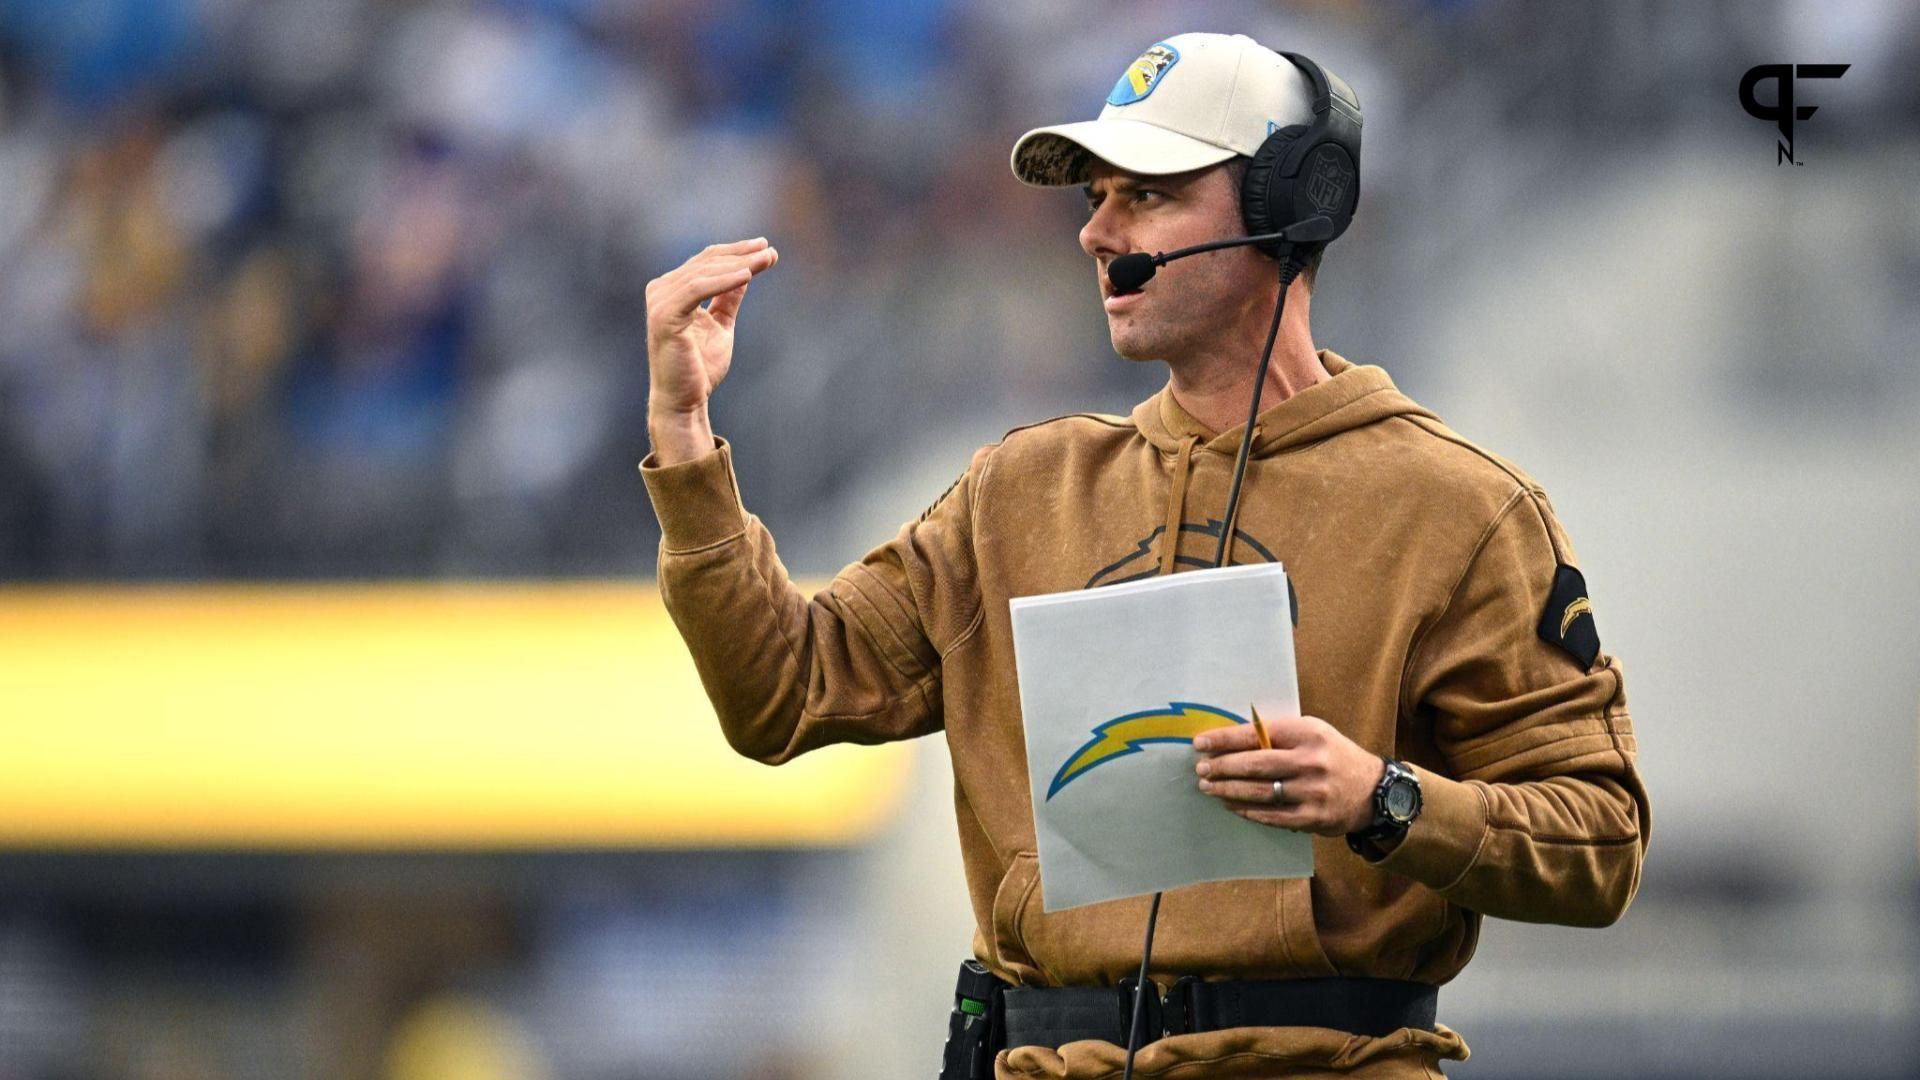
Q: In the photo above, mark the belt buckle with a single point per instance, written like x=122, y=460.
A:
x=1151, y=1023
x=1178, y=1012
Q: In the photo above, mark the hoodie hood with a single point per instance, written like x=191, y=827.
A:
x=1355, y=395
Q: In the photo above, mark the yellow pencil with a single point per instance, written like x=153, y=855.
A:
x=1260, y=728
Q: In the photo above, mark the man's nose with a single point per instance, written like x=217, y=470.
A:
x=1100, y=237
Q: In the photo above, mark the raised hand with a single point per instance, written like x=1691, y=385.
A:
x=691, y=311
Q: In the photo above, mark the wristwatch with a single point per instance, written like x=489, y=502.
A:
x=1396, y=803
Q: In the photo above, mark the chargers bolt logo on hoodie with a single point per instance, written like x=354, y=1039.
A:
x=1179, y=722
x=1144, y=74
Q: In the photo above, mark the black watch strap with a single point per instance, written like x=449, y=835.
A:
x=1385, y=825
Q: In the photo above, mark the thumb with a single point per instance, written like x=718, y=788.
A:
x=726, y=307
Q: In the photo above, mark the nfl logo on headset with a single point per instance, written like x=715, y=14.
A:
x=1327, y=186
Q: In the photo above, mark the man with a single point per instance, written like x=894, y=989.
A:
x=1446, y=653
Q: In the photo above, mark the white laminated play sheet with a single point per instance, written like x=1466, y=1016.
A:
x=1114, y=684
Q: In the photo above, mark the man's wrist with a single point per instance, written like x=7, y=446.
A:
x=1396, y=804
x=1362, y=818
x=679, y=436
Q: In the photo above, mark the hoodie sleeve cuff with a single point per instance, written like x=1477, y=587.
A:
x=698, y=501
x=1442, y=843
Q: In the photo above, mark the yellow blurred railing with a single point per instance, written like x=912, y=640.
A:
x=383, y=716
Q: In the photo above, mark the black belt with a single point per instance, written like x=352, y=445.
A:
x=1055, y=1016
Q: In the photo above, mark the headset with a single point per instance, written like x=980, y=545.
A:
x=1307, y=170
x=1300, y=192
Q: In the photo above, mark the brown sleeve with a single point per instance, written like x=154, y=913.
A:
x=1539, y=814
x=857, y=662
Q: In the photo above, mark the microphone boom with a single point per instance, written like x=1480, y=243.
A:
x=1134, y=269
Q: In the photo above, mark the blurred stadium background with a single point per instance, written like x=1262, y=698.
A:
x=344, y=738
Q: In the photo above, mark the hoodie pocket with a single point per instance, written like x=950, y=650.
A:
x=1299, y=934
x=1247, y=929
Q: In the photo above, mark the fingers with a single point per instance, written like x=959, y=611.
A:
x=714, y=272
x=1231, y=737
x=726, y=307
x=1292, y=729
x=1243, y=782
x=1248, y=777
x=1282, y=730
x=709, y=276
x=1249, y=791
x=1285, y=816
x=1264, y=765
x=737, y=247
x=1304, y=806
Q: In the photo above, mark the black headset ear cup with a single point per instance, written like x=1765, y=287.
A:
x=1328, y=185
x=1265, y=196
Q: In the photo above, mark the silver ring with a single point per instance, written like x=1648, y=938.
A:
x=1279, y=787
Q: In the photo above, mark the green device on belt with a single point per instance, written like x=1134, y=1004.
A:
x=973, y=1028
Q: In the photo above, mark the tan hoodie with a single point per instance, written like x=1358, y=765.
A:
x=1422, y=566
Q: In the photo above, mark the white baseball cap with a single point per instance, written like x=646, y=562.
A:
x=1188, y=102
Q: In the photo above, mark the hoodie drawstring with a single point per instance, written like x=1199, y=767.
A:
x=1177, y=504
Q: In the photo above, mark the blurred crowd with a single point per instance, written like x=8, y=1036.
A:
x=353, y=288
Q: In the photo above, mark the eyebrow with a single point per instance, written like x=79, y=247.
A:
x=1118, y=183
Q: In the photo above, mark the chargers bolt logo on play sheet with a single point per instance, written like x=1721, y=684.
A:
x=1179, y=722
x=1144, y=74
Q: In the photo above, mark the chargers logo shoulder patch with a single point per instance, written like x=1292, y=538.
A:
x=1179, y=722
x=1568, y=618
x=1144, y=74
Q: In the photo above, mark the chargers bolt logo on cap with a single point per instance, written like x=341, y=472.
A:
x=1144, y=74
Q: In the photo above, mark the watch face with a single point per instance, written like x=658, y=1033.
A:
x=1400, y=802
